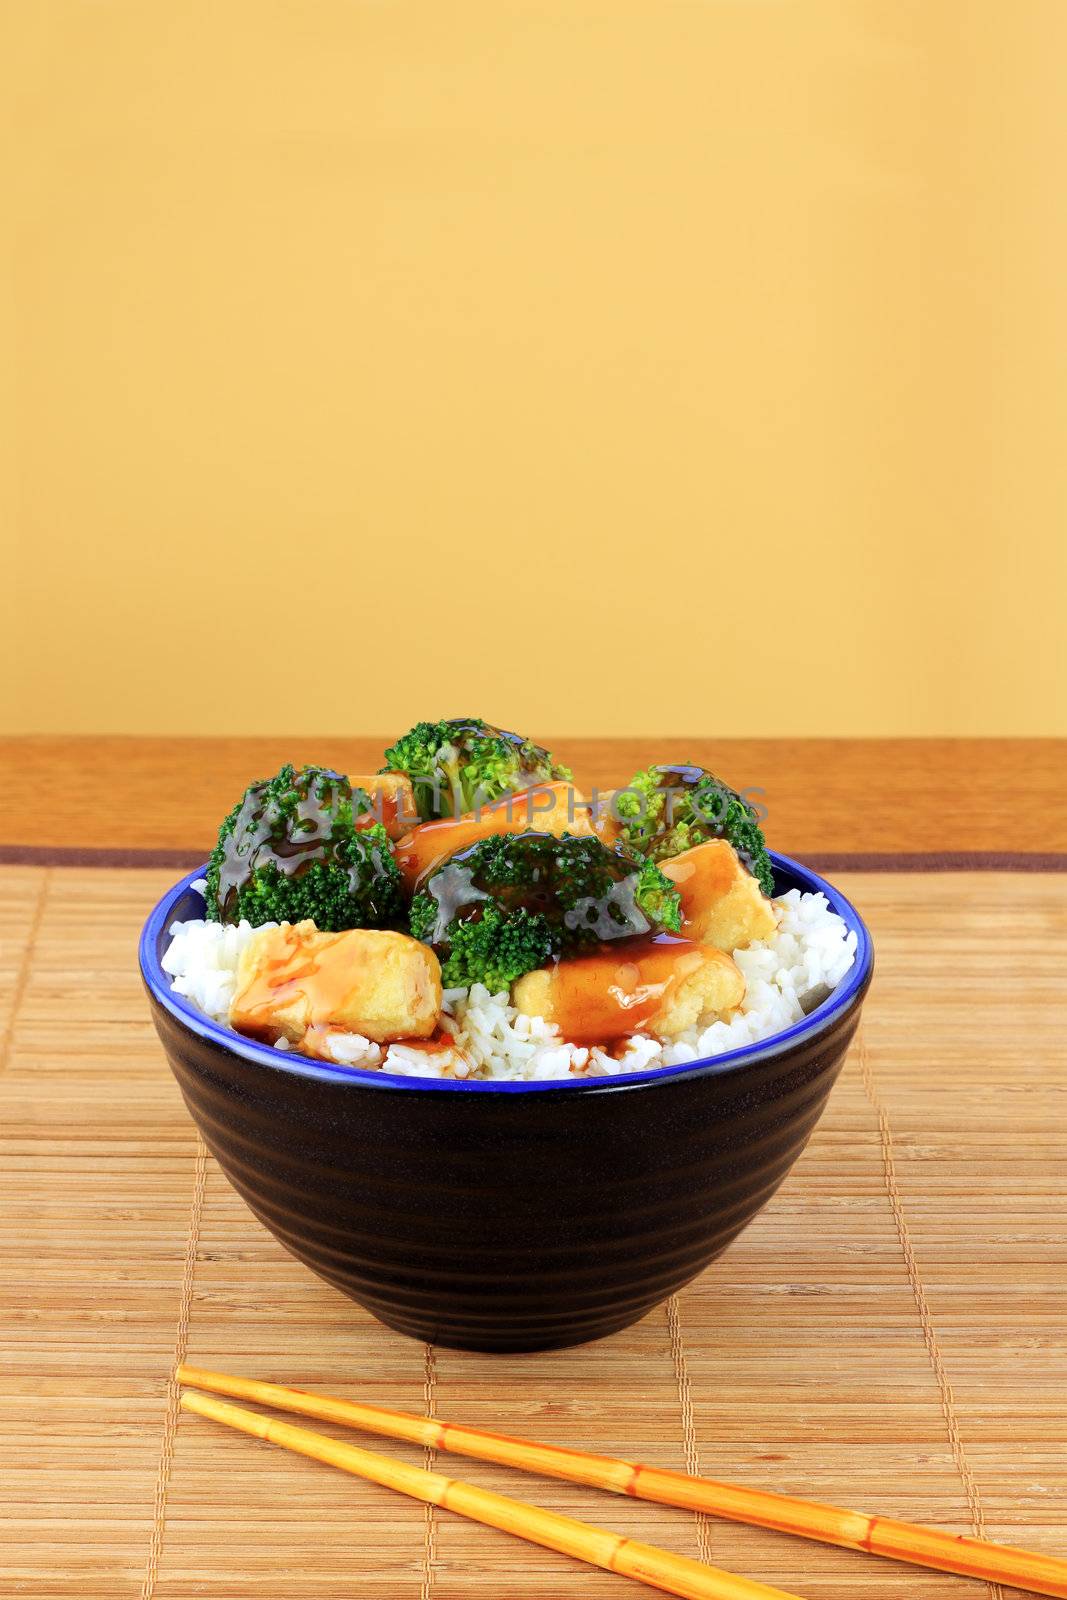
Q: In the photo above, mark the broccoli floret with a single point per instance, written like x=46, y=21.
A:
x=512, y=902
x=495, y=948
x=463, y=763
x=665, y=810
x=294, y=847
x=658, y=898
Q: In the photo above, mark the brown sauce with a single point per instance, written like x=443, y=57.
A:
x=439, y=1041
x=616, y=990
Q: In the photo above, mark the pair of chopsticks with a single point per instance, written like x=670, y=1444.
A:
x=661, y=1569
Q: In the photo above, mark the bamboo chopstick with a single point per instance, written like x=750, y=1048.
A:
x=855, y=1530
x=661, y=1569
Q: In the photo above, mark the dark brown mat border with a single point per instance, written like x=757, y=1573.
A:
x=32, y=855
x=937, y=861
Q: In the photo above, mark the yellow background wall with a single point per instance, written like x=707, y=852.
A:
x=691, y=366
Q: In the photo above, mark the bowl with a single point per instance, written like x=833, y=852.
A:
x=505, y=1216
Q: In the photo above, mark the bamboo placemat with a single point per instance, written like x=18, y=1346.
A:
x=889, y=1333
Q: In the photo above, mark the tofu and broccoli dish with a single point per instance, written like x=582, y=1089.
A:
x=469, y=912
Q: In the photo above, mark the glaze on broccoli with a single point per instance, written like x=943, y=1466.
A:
x=513, y=902
x=665, y=810
x=494, y=948
x=460, y=764
x=294, y=848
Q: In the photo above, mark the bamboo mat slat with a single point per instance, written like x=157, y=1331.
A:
x=896, y=1345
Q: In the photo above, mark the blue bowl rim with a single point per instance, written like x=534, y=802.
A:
x=818, y=1022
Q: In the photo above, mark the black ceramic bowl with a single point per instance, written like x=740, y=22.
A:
x=503, y=1215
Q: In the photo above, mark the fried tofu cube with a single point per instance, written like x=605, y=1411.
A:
x=712, y=989
x=602, y=819
x=292, y=979
x=722, y=903
x=660, y=986
x=394, y=800
x=534, y=994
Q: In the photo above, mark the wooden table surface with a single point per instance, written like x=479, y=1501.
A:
x=890, y=1332
x=822, y=795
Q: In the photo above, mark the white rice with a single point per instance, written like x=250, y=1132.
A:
x=785, y=977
